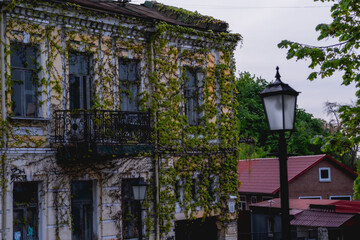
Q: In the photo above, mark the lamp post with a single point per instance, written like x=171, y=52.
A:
x=139, y=190
x=279, y=101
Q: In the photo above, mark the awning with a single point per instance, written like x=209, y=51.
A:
x=318, y=218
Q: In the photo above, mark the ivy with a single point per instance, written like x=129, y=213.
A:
x=206, y=150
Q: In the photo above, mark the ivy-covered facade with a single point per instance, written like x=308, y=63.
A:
x=97, y=95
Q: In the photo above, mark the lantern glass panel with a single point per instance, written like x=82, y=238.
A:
x=274, y=112
x=280, y=111
x=139, y=192
x=289, y=111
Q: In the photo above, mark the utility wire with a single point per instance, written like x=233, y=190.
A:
x=238, y=7
x=253, y=7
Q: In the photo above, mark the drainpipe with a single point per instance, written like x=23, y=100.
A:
x=3, y=117
x=156, y=156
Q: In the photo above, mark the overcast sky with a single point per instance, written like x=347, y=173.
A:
x=265, y=23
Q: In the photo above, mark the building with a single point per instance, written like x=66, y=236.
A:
x=98, y=95
x=310, y=219
x=309, y=177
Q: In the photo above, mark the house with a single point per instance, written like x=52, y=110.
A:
x=310, y=219
x=98, y=97
x=309, y=177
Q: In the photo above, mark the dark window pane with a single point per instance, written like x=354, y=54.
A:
x=25, y=211
x=131, y=211
x=79, y=80
x=76, y=218
x=24, y=64
x=129, y=84
x=23, y=55
x=29, y=83
x=191, y=96
x=190, y=79
x=30, y=105
x=340, y=197
x=132, y=75
x=25, y=193
x=325, y=173
x=74, y=92
x=87, y=221
x=17, y=99
x=82, y=210
x=81, y=190
x=79, y=64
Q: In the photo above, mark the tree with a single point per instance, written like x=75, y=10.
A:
x=306, y=128
x=253, y=130
x=338, y=143
x=344, y=57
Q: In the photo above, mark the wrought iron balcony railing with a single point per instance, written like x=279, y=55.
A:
x=102, y=127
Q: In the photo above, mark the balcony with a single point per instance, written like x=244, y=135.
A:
x=93, y=134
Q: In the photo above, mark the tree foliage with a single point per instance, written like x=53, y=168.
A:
x=344, y=57
x=338, y=143
x=253, y=127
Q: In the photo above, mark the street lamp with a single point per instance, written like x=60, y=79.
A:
x=139, y=190
x=279, y=101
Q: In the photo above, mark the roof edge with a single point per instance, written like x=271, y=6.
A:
x=189, y=17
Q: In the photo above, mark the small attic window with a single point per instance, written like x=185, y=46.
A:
x=324, y=174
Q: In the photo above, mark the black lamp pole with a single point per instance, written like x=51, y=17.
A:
x=279, y=101
x=284, y=189
x=139, y=190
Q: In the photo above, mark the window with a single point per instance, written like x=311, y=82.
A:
x=82, y=210
x=266, y=198
x=192, y=95
x=253, y=199
x=129, y=77
x=342, y=197
x=324, y=174
x=131, y=211
x=25, y=211
x=179, y=193
x=243, y=202
x=24, y=71
x=310, y=197
x=79, y=80
x=213, y=188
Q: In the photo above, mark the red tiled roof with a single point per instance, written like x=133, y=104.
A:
x=262, y=175
x=319, y=218
x=301, y=204
x=341, y=206
x=347, y=206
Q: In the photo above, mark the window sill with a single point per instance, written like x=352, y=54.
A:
x=29, y=119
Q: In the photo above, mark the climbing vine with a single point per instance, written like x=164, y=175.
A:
x=198, y=162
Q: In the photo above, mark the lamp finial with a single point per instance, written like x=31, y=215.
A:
x=277, y=76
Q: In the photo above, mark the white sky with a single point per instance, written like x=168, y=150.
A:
x=265, y=23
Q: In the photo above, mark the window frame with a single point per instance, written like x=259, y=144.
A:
x=340, y=197
x=82, y=203
x=35, y=75
x=126, y=85
x=192, y=114
x=328, y=179
x=243, y=202
x=127, y=200
x=85, y=81
x=310, y=197
x=179, y=193
x=25, y=208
